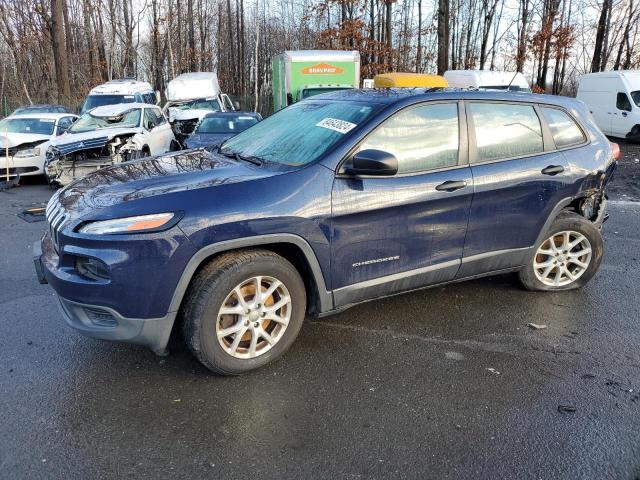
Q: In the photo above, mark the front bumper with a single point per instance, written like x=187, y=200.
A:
x=22, y=166
x=106, y=324
x=130, y=306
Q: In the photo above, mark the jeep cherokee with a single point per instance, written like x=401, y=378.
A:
x=339, y=199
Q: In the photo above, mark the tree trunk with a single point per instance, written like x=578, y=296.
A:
x=521, y=54
x=419, y=46
x=443, y=36
x=59, y=54
x=600, y=33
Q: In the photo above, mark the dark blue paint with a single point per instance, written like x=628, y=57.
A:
x=345, y=220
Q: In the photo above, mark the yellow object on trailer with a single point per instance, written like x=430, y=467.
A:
x=408, y=80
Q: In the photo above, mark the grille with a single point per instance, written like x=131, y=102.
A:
x=55, y=219
x=81, y=145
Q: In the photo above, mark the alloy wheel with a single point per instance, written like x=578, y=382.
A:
x=562, y=258
x=253, y=317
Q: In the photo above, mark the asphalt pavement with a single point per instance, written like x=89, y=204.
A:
x=442, y=383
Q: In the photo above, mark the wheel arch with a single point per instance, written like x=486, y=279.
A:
x=291, y=247
x=571, y=204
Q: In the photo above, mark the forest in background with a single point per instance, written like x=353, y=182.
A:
x=56, y=50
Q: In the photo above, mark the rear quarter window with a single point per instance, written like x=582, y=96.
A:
x=564, y=130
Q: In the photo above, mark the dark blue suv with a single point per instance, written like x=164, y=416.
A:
x=339, y=199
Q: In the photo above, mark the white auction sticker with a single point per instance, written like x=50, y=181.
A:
x=340, y=126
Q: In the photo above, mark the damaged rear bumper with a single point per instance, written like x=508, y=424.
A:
x=602, y=216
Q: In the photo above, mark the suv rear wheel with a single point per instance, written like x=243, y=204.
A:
x=567, y=257
x=243, y=310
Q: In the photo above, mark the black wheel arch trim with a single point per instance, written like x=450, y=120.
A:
x=325, y=297
x=560, y=206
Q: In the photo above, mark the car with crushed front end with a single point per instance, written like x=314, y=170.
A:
x=108, y=135
x=339, y=199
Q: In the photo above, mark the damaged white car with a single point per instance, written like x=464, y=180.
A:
x=105, y=136
x=24, y=139
x=190, y=97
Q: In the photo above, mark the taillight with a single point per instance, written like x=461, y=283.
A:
x=615, y=150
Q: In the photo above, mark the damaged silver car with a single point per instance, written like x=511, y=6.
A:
x=106, y=136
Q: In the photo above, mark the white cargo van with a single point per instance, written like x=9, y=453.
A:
x=190, y=97
x=487, y=79
x=613, y=99
x=126, y=90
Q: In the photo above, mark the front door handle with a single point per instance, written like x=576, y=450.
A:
x=451, y=185
x=553, y=170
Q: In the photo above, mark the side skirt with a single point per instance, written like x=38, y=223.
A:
x=424, y=287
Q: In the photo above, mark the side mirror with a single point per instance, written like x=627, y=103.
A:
x=373, y=162
x=236, y=106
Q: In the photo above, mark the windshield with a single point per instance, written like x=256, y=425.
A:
x=310, y=92
x=40, y=126
x=635, y=96
x=226, y=124
x=94, y=101
x=301, y=133
x=40, y=109
x=88, y=122
x=201, y=104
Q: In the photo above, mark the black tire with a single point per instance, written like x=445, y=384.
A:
x=209, y=289
x=566, y=221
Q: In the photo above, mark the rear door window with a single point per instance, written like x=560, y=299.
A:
x=150, y=119
x=159, y=117
x=422, y=138
x=504, y=130
x=564, y=130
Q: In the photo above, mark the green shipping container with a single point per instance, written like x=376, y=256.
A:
x=304, y=73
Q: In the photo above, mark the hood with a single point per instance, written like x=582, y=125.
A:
x=153, y=176
x=193, y=114
x=107, y=133
x=15, y=139
x=198, y=140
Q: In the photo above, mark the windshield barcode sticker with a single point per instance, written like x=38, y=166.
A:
x=337, y=125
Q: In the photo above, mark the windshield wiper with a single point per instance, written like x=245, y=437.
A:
x=235, y=155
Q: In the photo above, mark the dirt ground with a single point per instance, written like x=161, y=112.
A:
x=626, y=181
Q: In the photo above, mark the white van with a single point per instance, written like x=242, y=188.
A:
x=126, y=90
x=190, y=97
x=613, y=99
x=487, y=79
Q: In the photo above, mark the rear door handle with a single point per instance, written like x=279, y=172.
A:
x=553, y=170
x=451, y=185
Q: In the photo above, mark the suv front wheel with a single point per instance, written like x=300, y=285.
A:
x=243, y=310
x=567, y=257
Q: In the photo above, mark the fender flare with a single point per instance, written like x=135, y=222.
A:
x=561, y=205
x=325, y=297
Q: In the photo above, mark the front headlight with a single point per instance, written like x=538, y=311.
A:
x=29, y=152
x=140, y=223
